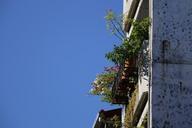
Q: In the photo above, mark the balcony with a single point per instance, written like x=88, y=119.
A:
x=136, y=110
x=134, y=9
x=108, y=119
x=125, y=82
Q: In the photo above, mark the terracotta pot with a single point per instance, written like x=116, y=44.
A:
x=131, y=62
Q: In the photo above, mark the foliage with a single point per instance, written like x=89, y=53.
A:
x=103, y=83
x=139, y=34
x=116, y=121
x=114, y=24
x=118, y=55
x=144, y=123
x=130, y=110
x=130, y=46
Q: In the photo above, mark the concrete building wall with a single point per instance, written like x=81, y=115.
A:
x=143, y=66
x=171, y=52
x=126, y=6
x=142, y=11
x=143, y=81
x=123, y=115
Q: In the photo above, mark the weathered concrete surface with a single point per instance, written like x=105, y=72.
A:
x=172, y=31
x=143, y=81
x=172, y=96
x=171, y=77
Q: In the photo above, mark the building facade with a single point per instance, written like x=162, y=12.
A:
x=162, y=97
x=171, y=69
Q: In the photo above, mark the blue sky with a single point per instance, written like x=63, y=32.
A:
x=50, y=52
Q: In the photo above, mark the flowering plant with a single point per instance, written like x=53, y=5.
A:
x=102, y=85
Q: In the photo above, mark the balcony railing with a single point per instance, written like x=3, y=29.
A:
x=125, y=82
x=108, y=119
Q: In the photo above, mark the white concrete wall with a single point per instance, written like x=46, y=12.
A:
x=126, y=6
x=143, y=115
x=143, y=81
x=171, y=43
x=123, y=116
x=143, y=64
x=141, y=12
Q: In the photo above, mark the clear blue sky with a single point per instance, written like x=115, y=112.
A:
x=50, y=52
